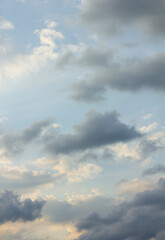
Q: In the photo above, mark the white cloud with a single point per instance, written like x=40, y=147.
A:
x=75, y=198
x=5, y=24
x=85, y=171
x=127, y=151
x=78, y=173
x=2, y=120
x=148, y=116
x=134, y=186
x=51, y=24
x=149, y=128
x=23, y=64
x=143, y=148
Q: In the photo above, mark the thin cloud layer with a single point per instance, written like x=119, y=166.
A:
x=21, y=178
x=110, y=17
x=145, y=74
x=12, y=209
x=96, y=130
x=138, y=219
x=158, y=168
x=5, y=24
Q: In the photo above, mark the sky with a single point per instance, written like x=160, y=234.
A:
x=82, y=120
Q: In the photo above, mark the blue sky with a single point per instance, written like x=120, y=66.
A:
x=82, y=119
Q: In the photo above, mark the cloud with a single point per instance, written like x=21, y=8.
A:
x=63, y=212
x=72, y=174
x=141, y=149
x=102, y=154
x=15, y=177
x=149, y=128
x=88, y=57
x=134, y=186
x=96, y=130
x=142, y=218
x=109, y=17
x=5, y=24
x=148, y=116
x=12, y=144
x=158, y=168
x=143, y=74
x=12, y=209
x=24, y=64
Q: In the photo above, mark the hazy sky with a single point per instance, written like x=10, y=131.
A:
x=82, y=120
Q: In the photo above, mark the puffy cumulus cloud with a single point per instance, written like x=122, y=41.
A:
x=76, y=198
x=12, y=209
x=5, y=24
x=143, y=74
x=88, y=57
x=110, y=17
x=158, y=168
x=141, y=218
x=63, y=169
x=141, y=149
x=151, y=127
x=48, y=35
x=24, y=64
x=14, y=143
x=96, y=130
x=79, y=173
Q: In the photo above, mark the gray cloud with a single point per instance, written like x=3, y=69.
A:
x=93, y=155
x=14, y=143
x=96, y=130
x=158, y=168
x=145, y=74
x=12, y=209
x=66, y=212
x=89, y=57
x=142, y=218
x=147, y=147
x=110, y=17
x=88, y=91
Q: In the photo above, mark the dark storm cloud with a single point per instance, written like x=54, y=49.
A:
x=89, y=57
x=147, y=73
x=12, y=209
x=114, y=16
x=158, y=168
x=95, y=131
x=14, y=143
x=143, y=218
